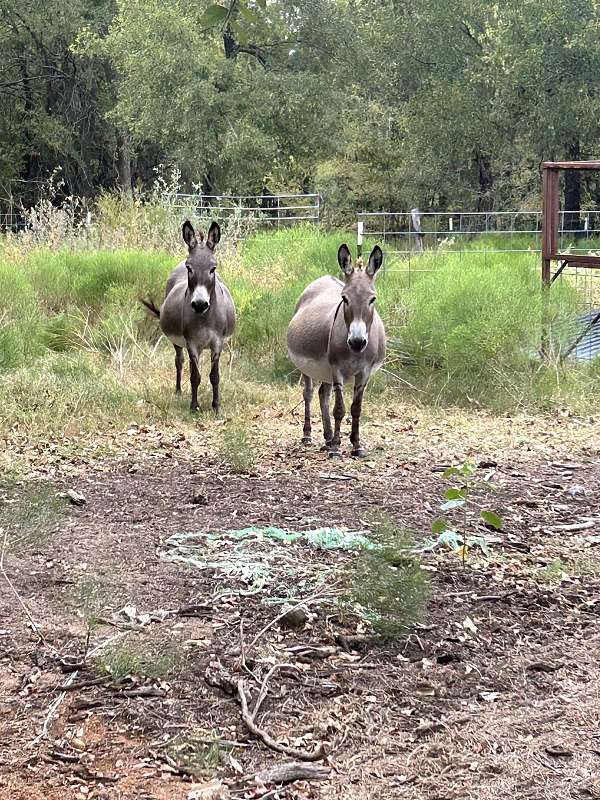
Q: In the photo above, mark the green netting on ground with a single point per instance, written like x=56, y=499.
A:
x=260, y=557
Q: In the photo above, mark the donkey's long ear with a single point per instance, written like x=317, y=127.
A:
x=345, y=260
x=375, y=261
x=214, y=235
x=189, y=236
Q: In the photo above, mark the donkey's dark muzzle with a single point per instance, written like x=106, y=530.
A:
x=357, y=344
x=200, y=306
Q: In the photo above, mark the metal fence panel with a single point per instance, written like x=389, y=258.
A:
x=263, y=210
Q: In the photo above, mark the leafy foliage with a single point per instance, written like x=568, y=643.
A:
x=324, y=94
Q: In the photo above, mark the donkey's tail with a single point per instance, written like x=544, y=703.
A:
x=151, y=307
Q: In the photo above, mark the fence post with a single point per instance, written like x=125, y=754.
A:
x=415, y=217
x=359, y=237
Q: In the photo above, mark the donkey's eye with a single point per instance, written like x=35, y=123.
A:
x=372, y=300
x=345, y=300
x=212, y=270
x=189, y=268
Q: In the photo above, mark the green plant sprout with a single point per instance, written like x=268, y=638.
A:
x=458, y=538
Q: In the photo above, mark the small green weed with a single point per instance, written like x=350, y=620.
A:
x=387, y=581
x=199, y=753
x=457, y=536
x=554, y=572
x=132, y=657
x=30, y=513
x=90, y=596
x=236, y=448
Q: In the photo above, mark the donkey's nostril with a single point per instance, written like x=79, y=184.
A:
x=200, y=306
x=357, y=343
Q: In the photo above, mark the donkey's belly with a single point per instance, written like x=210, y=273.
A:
x=317, y=369
x=320, y=370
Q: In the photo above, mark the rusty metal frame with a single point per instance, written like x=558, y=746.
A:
x=550, y=221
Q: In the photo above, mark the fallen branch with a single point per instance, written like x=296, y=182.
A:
x=264, y=686
x=577, y=526
x=248, y=719
x=56, y=703
x=291, y=771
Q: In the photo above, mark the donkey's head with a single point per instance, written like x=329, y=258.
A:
x=358, y=296
x=201, y=265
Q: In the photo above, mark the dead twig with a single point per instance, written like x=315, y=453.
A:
x=318, y=596
x=11, y=586
x=56, y=703
x=292, y=752
x=264, y=690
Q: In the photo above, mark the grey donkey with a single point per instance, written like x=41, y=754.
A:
x=198, y=312
x=335, y=337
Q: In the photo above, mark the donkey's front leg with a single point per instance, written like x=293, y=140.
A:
x=355, y=410
x=324, y=400
x=194, y=375
x=178, y=367
x=339, y=410
x=215, y=378
x=308, y=393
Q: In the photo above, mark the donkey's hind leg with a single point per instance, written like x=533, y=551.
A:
x=324, y=401
x=178, y=367
x=308, y=393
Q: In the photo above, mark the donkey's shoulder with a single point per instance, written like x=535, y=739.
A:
x=177, y=275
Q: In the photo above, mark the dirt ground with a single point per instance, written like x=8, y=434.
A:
x=494, y=695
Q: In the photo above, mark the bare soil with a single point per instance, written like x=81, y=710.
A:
x=494, y=695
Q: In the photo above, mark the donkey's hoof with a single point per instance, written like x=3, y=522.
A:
x=335, y=455
x=326, y=447
x=194, y=408
x=359, y=452
x=306, y=440
x=177, y=392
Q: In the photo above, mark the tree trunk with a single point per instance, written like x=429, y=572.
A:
x=31, y=166
x=125, y=164
x=486, y=182
x=572, y=198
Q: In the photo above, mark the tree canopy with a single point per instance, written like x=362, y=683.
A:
x=375, y=104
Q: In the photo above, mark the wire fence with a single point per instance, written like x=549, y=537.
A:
x=264, y=210
x=411, y=240
x=413, y=232
x=11, y=221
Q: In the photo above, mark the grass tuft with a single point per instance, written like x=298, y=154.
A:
x=236, y=448
x=30, y=513
x=131, y=657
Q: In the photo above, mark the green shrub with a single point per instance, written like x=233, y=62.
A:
x=472, y=332
x=387, y=582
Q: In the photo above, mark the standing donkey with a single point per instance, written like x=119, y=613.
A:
x=198, y=312
x=336, y=336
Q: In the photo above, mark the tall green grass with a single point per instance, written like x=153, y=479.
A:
x=464, y=329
